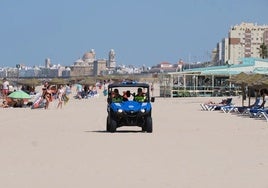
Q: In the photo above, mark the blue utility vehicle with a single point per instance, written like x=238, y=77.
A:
x=129, y=104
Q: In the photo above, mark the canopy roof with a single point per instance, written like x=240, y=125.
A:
x=248, y=65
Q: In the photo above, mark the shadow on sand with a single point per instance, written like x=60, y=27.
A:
x=118, y=131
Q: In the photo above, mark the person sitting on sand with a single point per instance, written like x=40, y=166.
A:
x=4, y=104
x=18, y=103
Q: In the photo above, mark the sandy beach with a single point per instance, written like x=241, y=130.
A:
x=189, y=148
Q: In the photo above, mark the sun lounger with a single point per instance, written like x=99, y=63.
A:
x=203, y=107
x=220, y=106
x=228, y=108
x=257, y=112
x=265, y=115
x=212, y=107
x=252, y=111
x=245, y=109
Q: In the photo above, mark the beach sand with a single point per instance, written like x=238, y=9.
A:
x=188, y=148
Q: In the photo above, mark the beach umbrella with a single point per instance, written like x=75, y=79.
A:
x=260, y=84
x=19, y=94
x=264, y=83
x=252, y=81
x=249, y=80
x=239, y=78
x=253, y=78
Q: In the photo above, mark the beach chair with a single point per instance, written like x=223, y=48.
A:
x=228, y=102
x=213, y=106
x=228, y=108
x=245, y=109
x=257, y=112
x=203, y=107
x=265, y=115
x=252, y=111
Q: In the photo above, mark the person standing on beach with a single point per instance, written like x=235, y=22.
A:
x=68, y=90
x=152, y=89
x=5, y=88
x=79, y=90
x=47, y=95
x=60, y=94
x=105, y=89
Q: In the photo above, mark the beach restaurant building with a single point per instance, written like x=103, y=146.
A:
x=209, y=81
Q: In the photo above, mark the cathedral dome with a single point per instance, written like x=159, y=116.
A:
x=89, y=55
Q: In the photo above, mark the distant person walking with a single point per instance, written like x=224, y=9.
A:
x=152, y=89
x=105, y=89
x=68, y=90
x=79, y=90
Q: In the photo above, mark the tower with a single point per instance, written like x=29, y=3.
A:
x=47, y=63
x=111, y=60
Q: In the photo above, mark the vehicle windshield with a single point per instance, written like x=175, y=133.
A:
x=140, y=94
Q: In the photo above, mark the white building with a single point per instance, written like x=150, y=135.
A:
x=224, y=51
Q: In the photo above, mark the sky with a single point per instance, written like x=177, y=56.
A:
x=141, y=32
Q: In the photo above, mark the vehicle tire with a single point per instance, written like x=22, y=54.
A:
x=108, y=124
x=149, y=125
x=113, y=126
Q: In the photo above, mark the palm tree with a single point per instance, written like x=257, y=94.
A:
x=263, y=51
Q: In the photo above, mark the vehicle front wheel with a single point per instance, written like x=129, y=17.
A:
x=149, y=125
x=113, y=126
x=108, y=124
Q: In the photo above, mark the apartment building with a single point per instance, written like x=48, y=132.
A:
x=245, y=40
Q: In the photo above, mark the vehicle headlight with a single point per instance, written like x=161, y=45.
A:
x=120, y=110
x=142, y=110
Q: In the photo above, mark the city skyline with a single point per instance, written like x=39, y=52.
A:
x=140, y=32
